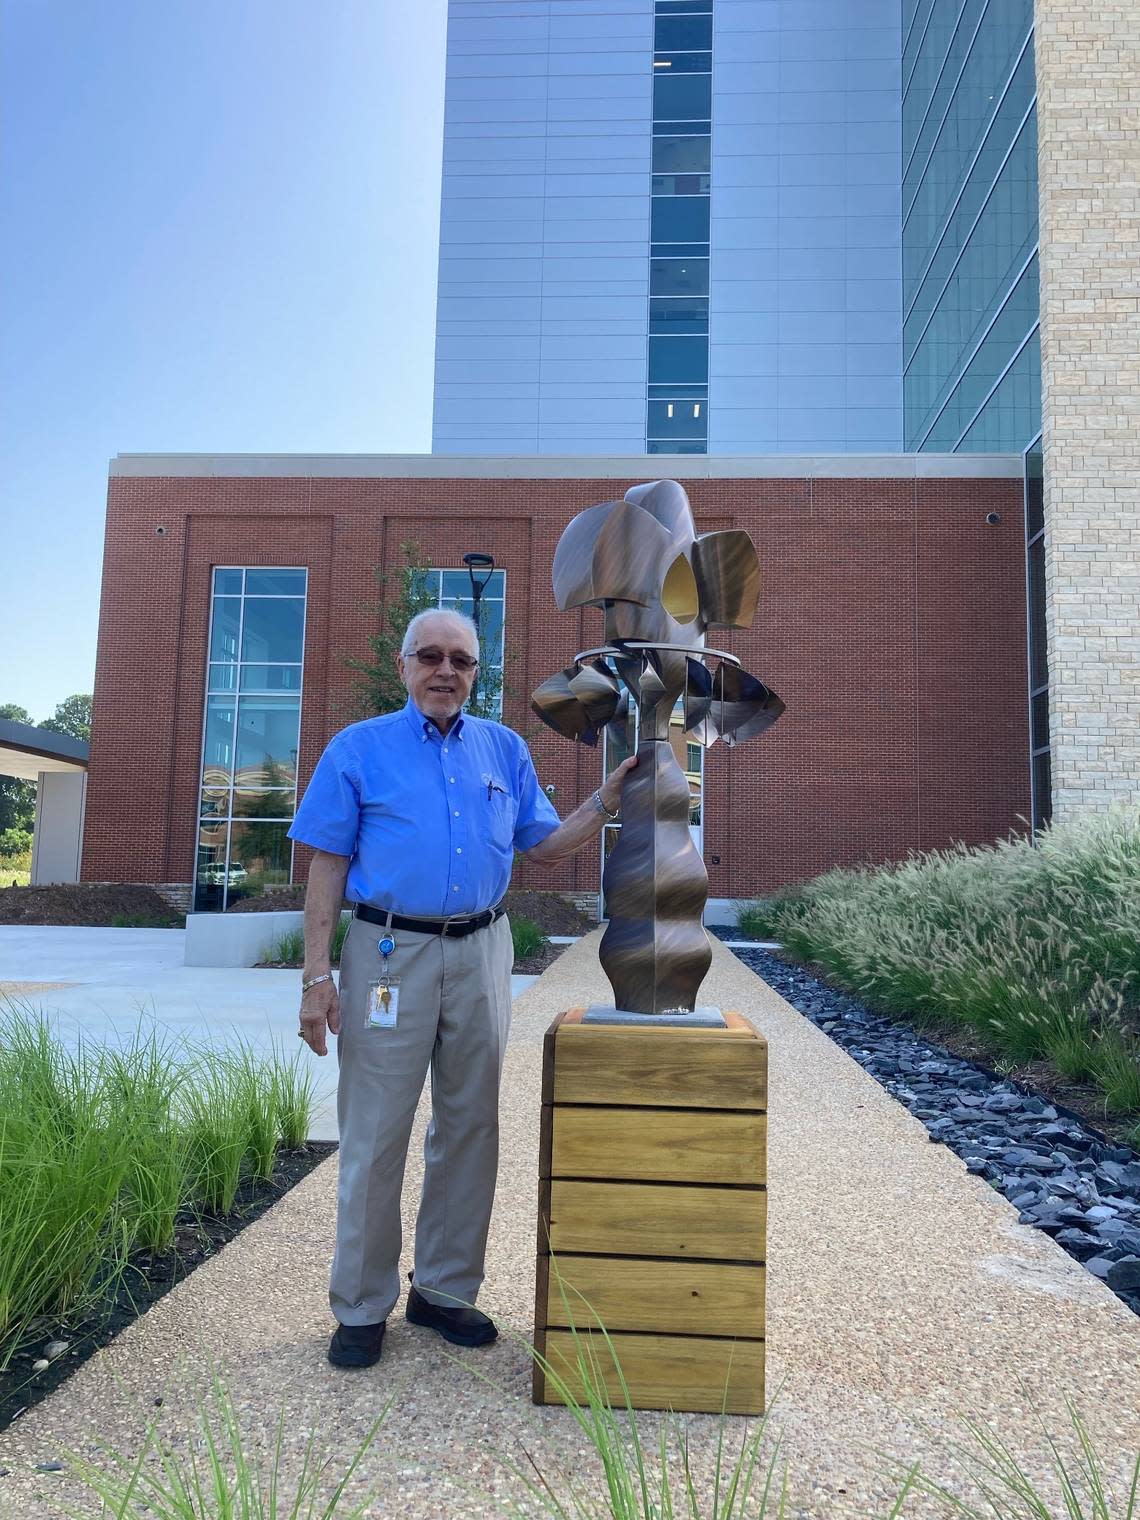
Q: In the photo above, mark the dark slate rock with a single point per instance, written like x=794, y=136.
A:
x=1124, y=1276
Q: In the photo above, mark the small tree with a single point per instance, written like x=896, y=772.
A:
x=377, y=687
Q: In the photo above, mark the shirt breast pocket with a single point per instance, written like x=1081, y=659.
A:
x=503, y=810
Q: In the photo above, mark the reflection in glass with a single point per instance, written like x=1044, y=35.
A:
x=1034, y=493
x=275, y=582
x=267, y=737
x=679, y=359
x=680, y=219
x=271, y=678
x=223, y=677
x=682, y=32
x=1042, y=790
x=215, y=802
x=261, y=855
x=227, y=582
x=251, y=803
x=682, y=155
x=225, y=625
x=274, y=628
x=218, y=747
x=681, y=97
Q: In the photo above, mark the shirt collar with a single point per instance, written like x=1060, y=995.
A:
x=425, y=728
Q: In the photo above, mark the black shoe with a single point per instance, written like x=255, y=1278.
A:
x=356, y=1345
x=462, y=1327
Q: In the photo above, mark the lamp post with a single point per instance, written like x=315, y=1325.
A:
x=485, y=563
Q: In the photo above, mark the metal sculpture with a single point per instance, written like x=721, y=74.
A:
x=661, y=586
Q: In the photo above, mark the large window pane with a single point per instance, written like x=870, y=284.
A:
x=681, y=97
x=225, y=624
x=274, y=628
x=682, y=63
x=1038, y=648
x=1042, y=790
x=227, y=582
x=682, y=33
x=1034, y=493
x=218, y=747
x=679, y=314
x=280, y=802
x=680, y=219
x=679, y=359
x=682, y=155
x=267, y=733
x=275, y=582
x=260, y=857
x=271, y=678
x=223, y=677
x=679, y=277
x=677, y=419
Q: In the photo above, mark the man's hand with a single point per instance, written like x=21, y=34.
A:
x=610, y=790
x=320, y=1010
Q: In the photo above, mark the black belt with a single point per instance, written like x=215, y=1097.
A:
x=454, y=928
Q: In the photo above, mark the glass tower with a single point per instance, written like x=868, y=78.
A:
x=971, y=344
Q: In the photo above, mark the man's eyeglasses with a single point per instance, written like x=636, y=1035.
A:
x=433, y=658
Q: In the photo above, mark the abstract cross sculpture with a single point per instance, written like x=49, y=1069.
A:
x=661, y=585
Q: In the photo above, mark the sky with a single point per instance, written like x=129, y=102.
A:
x=220, y=230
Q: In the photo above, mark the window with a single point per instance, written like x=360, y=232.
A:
x=673, y=33
x=680, y=219
x=1039, y=749
x=679, y=359
x=452, y=589
x=250, y=733
x=679, y=314
x=682, y=155
x=678, y=419
x=679, y=277
x=681, y=97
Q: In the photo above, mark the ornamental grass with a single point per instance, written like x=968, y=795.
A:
x=1035, y=946
x=104, y=1150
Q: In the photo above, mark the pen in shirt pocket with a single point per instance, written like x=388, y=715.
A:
x=493, y=786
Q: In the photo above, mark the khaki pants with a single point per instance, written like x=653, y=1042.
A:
x=454, y=1016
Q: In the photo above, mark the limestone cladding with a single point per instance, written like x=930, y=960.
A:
x=1088, y=102
x=891, y=621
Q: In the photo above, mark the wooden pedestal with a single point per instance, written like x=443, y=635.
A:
x=652, y=1208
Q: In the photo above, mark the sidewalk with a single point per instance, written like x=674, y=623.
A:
x=901, y=1294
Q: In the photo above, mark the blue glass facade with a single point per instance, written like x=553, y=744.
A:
x=971, y=344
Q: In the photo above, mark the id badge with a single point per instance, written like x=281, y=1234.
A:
x=383, y=1003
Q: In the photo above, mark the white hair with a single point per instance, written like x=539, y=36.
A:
x=460, y=618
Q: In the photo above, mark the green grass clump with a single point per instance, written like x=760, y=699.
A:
x=219, y=1475
x=1034, y=946
x=527, y=937
x=289, y=946
x=103, y=1149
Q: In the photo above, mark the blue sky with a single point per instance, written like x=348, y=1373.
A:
x=220, y=233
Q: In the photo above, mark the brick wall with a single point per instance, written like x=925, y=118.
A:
x=892, y=623
x=1088, y=108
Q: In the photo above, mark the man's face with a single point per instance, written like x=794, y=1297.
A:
x=437, y=688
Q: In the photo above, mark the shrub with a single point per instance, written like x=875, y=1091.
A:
x=289, y=946
x=527, y=937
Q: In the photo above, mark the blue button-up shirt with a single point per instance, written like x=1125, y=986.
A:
x=430, y=820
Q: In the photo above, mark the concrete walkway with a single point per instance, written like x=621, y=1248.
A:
x=104, y=984
x=902, y=1294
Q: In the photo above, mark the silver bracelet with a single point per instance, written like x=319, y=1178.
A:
x=313, y=981
x=596, y=799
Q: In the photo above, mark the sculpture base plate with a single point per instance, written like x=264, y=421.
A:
x=705, y=1017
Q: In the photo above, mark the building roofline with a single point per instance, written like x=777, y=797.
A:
x=575, y=466
x=22, y=744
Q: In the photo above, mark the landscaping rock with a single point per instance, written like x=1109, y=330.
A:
x=1062, y=1177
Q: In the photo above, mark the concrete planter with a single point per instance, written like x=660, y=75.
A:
x=235, y=939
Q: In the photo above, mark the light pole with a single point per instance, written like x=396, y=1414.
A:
x=486, y=563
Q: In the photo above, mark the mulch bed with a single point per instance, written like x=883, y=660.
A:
x=91, y=906
x=549, y=910
x=147, y=1279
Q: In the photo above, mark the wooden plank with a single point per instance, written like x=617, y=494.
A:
x=680, y=1372
x=670, y=1297
x=657, y=1145
x=638, y=1066
x=656, y=1219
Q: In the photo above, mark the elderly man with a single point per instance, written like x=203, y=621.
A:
x=415, y=817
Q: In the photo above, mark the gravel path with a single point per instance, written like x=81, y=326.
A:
x=902, y=1293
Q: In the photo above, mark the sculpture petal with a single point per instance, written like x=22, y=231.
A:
x=611, y=552
x=727, y=572
x=667, y=502
x=742, y=706
x=597, y=689
x=698, y=695
x=558, y=706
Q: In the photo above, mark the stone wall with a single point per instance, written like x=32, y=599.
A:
x=1088, y=86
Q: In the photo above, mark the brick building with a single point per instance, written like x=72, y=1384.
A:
x=892, y=622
